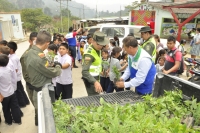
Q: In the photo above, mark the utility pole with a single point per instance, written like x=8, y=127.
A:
x=80, y=13
x=96, y=11
x=61, y=24
x=83, y=12
x=120, y=13
x=67, y=15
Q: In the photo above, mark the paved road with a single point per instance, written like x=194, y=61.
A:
x=28, y=125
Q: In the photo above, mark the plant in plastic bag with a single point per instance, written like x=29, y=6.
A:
x=117, y=74
x=50, y=57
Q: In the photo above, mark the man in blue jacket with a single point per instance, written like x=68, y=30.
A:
x=71, y=39
x=141, y=68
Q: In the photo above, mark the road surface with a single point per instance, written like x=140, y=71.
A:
x=28, y=124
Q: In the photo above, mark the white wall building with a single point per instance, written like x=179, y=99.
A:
x=11, y=26
x=165, y=24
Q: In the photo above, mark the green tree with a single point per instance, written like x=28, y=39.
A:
x=47, y=11
x=134, y=5
x=6, y=6
x=65, y=12
x=34, y=19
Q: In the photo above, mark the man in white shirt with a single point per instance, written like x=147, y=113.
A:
x=21, y=95
x=141, y=68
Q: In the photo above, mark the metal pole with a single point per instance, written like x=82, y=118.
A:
x=67, y=14
x=61, y=18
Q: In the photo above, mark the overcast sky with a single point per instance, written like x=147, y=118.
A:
x=104, y=5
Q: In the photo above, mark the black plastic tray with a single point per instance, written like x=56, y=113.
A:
x=121, y=98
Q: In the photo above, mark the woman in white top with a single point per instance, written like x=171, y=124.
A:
x=64, y=81
x=195, y=50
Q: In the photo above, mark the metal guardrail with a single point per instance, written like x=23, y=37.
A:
x=46, y=123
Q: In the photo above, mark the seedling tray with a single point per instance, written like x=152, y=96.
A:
x=121, y=98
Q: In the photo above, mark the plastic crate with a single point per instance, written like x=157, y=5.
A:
x=121, y=98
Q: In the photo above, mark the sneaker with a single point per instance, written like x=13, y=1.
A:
x=9, y=124
x=19, y=123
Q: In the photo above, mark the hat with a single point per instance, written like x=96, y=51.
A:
x=100, y=38
x=82, y=40
x=145, y=29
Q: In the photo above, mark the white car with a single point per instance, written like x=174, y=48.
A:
x=121, y=31
x=164, y=42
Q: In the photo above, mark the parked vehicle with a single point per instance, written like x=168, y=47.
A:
x=194, y=69
x=162, y=84
x=92, y=29
x=121, y=31
x=164, y=42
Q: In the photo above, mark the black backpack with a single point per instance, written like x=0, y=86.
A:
x=181, y=68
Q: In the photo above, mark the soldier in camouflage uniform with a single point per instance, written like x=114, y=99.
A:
x=92, y=64
x=37, y=67
x=32, y=39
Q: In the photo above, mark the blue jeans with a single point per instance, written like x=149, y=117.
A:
x=111, y=88
x=73, y=52
x=104, y=83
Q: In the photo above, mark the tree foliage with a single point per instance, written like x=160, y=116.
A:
x=134, y=5
x=112, y=14
x=65, y=12
x=6, y=6
x=34, y=19
x=47, y=11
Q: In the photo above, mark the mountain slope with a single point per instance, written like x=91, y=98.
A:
x=75, y=8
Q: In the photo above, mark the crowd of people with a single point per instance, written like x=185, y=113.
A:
x=105, y=65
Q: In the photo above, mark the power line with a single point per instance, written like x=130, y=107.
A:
x=75, y=7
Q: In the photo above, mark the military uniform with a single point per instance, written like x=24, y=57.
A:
x=92, y=63
x=39, y=72
x=150, y=44
x=25, y=75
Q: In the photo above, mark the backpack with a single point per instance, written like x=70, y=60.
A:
x=181, y=68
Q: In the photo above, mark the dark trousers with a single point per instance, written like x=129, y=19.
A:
x=11, y=109
x=56, y=94
x=104, y=82
x=64, y=90
x=127, y=81
x=73, y=52
x=90, y=88
x=21, y=95
x=112, y=86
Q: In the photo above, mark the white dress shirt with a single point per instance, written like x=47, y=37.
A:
x=143, y=68
x=16, y=62
x=13, y=74
x=6, y=87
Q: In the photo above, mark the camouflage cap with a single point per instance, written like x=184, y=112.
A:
x=100, y=38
